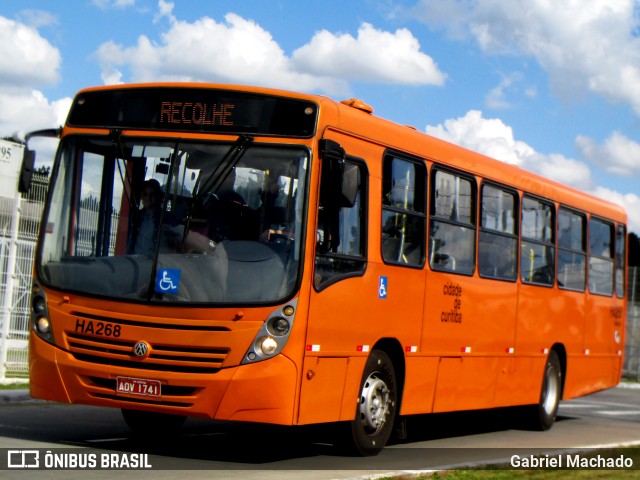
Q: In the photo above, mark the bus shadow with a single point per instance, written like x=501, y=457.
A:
x=219, y=445
x=439, y=426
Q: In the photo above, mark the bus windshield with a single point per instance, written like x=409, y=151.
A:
x=149, y=220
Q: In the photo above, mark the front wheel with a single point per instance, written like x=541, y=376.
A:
x=377, y=404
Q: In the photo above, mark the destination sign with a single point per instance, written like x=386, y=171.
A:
x=194, y=110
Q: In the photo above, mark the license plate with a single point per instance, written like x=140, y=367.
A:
x=138, y=386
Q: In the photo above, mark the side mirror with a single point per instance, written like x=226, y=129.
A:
x=29, y=157
x=343, y=176
x=24, y=180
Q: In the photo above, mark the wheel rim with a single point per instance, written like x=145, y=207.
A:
x=551, y=391
x=375, y=403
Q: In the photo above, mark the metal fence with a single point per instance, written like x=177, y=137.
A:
x=631, y=367
x=19, y=222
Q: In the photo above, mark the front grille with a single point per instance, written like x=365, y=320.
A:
x=166, y=358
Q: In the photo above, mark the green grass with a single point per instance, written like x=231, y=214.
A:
x=506, y=472
x=14, y=386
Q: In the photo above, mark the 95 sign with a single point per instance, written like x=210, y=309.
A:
x=5, y=152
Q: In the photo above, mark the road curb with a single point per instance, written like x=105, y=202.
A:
x=629, y=385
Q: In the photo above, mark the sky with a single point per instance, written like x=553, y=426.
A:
x=550, y=85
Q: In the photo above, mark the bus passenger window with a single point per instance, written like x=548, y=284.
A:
x=452, y=241
x=498, y=241
x=537, y=251
x=572, y=257
x=621, y=236
x=340, y=239
x=403, y=212
x=600, y=257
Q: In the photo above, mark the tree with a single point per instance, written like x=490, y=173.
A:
x=634, y=250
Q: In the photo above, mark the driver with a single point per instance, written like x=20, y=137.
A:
x=275, y=222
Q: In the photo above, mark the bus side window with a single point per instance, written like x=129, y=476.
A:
x=403, y=211
x=572, y=235
x=601, y=261
x=453, y=231
x=341, y=235
x=621, y=236
x=498, y=239
x=537, y=250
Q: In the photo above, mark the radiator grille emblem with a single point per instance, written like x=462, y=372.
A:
x=141, y=349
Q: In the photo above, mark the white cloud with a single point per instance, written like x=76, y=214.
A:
x=105, y=4
x=37, y=18
x=492, y=137
x=25, y=57
x=618, y=155
x=375, y=55
x=487, y=136
x=235, y=51
x=584, y=46
x=238, y=50
x=497, y=97
x=30, y=110
x=630, y=202
x=28, y=61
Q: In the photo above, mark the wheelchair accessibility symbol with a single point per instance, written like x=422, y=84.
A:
x=167, y=280
x=382, y=287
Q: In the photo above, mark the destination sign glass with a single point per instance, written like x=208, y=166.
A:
x=194, y=110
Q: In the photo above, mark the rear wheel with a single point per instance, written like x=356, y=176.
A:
x=377, y=403
x=545, y=412
x=152, y=424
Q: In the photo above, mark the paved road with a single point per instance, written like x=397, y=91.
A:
x=218, y=451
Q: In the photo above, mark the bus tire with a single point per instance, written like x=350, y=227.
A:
x=152, y=425
x=544, y=414
x=376, y=407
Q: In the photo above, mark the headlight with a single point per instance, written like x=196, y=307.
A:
x=39, y=304
x=41, y=323
x=43, y=326
x=273, y=335
x=278, y=326
x=268, y=346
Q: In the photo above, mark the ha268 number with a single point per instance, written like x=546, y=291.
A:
x=104, y=329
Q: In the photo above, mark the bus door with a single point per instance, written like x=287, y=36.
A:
x=356, y=299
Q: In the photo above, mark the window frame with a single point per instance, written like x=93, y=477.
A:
x=473, y=216
x=497, y=233
x=562, y=249
x=620, y=261
x=320, y=284
x=420, y=200
x=610, y=259
x=549, y=244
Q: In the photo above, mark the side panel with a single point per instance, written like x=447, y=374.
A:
x=548, y=317
x=347, y=318
x=420, y=384
x=322, y=389
x=465, y=383
x=598, y=364
x=470, y=322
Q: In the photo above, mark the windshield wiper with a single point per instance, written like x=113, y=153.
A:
x=217, y=177
x=224, y=168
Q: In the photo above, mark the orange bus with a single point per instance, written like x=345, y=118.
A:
x=255, y=255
